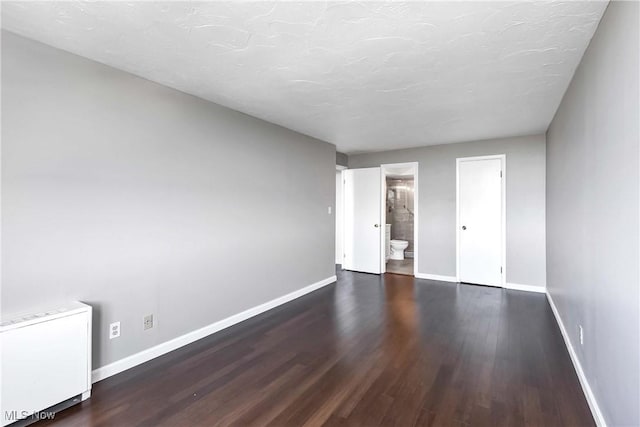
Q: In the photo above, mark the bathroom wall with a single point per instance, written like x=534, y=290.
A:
x=400, y=208
x=140, y=199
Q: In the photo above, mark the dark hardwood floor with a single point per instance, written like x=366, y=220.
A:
x=369, y=350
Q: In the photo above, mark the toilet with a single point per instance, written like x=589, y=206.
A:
x=397, y=249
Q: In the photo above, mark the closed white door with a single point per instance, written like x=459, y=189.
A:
x=362, y=212
x=480, y=221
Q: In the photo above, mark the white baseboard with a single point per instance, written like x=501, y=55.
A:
x=514, y=286
x=436, y=277
x=526, y=288
x=586, y=388
x=160, y=349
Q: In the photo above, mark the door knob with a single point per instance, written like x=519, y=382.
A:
x=464, y=227
x=376, y=225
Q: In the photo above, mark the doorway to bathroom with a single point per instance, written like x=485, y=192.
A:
x=400, y=209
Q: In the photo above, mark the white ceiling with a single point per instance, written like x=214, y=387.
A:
x=366, y=76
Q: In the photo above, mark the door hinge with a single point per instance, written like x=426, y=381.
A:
x=500, y=174
x=500, y=270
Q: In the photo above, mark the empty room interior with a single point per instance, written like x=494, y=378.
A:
x=322, y=213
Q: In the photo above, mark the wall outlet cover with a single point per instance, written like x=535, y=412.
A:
x=581, y=335
x=148, y=322
x=114, y=330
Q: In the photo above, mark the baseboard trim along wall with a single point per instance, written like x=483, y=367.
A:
x=436, y=277
x=160, y=349
x=526, y=288
x=514, y=286
x=586, y=388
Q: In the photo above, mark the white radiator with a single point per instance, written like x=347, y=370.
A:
x=45, y=360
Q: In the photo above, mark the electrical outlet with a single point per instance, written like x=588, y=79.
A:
x=148, y=322
x=581, y=335
x=114, y=330
x=329, y=210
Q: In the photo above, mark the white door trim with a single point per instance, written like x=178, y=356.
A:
x=413, y=168
x=503, y=162
x=342, y=169
x=383, y=219
x=339, y=216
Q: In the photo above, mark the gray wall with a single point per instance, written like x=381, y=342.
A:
x=141, y=199
x=525, y=174
x=341, y=159
x=592, y=213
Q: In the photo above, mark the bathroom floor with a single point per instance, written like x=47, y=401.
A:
x=404, y=266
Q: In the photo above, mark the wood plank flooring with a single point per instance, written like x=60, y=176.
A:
x=369, y=350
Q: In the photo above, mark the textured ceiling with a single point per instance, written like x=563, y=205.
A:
x=365, y=76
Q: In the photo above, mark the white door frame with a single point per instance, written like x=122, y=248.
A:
x=340, y=168
x=503, y=163
x=412, y=170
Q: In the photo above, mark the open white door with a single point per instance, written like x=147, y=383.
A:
x=362, y=209
x=481, y=220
